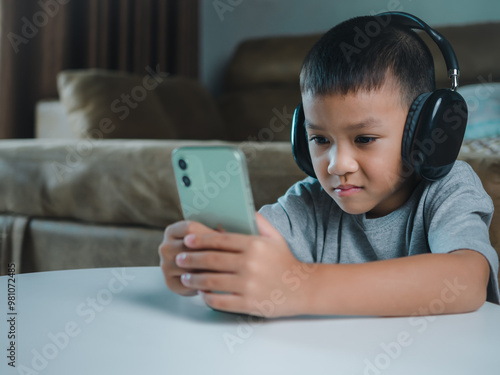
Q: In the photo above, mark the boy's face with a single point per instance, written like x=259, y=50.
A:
x=355, y=146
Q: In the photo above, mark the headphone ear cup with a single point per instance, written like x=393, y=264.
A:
x=409, y=130
x=434, y=132
x=300, y=145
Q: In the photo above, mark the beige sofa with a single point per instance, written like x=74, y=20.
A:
x=101, y=197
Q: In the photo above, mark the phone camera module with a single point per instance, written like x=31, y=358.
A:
x=183, y=164
x=186, y=180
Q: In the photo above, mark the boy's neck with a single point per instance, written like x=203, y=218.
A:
x=405, y=192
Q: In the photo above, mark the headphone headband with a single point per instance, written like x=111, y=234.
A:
x=445, y=47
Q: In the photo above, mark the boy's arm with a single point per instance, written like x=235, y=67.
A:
x=264, y=278
x=421, y=284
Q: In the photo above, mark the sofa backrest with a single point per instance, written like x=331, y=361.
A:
x=262, y=77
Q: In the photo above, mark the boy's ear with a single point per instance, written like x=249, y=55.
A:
x=300, y=144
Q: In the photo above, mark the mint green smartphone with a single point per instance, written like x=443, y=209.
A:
x=214, y=188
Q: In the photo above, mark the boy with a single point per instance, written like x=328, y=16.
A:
x=363, y=238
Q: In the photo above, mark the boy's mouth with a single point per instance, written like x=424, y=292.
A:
x=346, y=190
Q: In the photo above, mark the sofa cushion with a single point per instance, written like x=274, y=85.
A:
x=111, y=104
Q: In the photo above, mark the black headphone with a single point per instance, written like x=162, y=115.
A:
x=435, y=124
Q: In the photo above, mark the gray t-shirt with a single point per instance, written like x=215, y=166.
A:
x=450, y=214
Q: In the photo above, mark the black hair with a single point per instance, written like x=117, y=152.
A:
x=360, y=52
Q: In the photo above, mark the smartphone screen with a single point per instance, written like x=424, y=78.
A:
x=214, y=187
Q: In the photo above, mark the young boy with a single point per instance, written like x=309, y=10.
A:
x=363, y=238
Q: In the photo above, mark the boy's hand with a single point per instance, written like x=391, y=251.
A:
x=254, y=271
x=173, y=244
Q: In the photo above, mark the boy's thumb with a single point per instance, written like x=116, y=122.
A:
x=265, y=228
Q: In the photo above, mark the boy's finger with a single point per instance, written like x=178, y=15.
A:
x=175, y=285
x=219, y=282
x=217, y=241
x=233, y=303
x=216, y=261
x=180, y=229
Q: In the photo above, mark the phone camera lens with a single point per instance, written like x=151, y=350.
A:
x=186, y=180
x=183, y=164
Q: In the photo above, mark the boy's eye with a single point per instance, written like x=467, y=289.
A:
x=365, y=140
x=318, y=140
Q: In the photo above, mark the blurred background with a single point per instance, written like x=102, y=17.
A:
x=192, y=38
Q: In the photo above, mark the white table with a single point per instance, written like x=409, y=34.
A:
x=126, y=321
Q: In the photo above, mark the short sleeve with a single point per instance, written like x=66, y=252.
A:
x=457, y=216
x=294, y=216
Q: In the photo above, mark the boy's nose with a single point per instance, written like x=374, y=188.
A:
x=342, y=161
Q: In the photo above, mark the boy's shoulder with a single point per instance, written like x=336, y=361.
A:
x=461, y=176
x=460, y=186
x=461, y=168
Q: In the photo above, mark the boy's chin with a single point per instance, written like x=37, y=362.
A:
x=370, y=212
x=354, y=210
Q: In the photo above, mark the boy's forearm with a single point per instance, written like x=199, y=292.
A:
x=422, y=284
